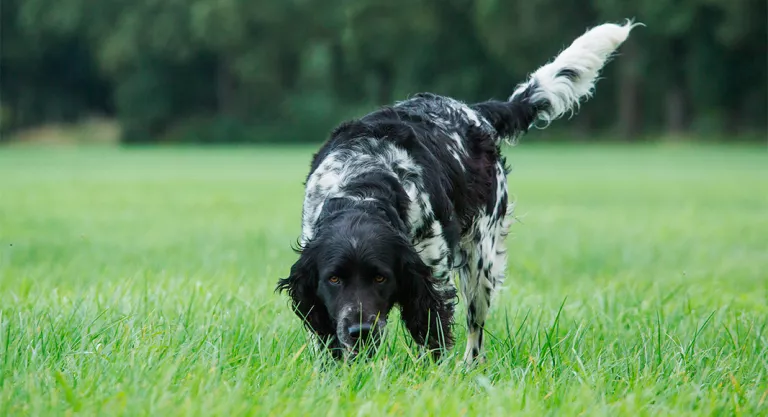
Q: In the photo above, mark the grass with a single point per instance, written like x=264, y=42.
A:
x=140, y=282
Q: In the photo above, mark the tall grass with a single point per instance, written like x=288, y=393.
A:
x=140, y=282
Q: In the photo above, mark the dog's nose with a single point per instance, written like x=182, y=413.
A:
x=360, y=331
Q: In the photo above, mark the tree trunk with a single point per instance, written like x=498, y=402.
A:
x=386, y=84
x=674, y=99
x=629, y=93
x=345, y=82
x=289, y=69
x=584, y=125
x=226, y=89
x=675, y=110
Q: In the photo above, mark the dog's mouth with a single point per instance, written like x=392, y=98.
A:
x=360, y=351
x=371, y=342
x=364, y=347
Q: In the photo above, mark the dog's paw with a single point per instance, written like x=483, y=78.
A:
x=473, y=357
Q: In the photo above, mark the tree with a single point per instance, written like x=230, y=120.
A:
x=237, y=70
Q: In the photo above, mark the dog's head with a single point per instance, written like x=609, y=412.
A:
x=353, y=272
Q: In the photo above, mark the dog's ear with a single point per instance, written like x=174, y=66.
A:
x=426, y=304
x=301, y=286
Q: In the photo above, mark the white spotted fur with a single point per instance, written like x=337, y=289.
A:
x=483, y=272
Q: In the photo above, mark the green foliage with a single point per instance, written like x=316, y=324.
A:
x=141, y=282
x=697, y=66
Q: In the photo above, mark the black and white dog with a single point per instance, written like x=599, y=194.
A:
x=400, y=199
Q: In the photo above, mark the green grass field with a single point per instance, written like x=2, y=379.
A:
x=140, y=282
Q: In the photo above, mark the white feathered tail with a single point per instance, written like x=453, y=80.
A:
x=557, y=87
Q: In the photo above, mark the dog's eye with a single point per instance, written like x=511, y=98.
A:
x=379, y=279
x=334, y=279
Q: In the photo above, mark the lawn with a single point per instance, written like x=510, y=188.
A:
x=140, y=282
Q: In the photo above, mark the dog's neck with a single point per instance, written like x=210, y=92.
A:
x=381, y=198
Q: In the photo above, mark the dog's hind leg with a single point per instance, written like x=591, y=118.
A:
x=486, y=265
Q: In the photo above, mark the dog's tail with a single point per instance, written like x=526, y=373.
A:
x=557, y=87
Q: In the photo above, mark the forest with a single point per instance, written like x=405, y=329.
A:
x=235, y=71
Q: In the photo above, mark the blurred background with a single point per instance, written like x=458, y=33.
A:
x=283, y=71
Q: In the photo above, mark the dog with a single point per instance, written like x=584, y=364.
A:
x=399, y=200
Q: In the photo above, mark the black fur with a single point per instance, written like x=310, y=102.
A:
x=372, y=208
x=400, y=199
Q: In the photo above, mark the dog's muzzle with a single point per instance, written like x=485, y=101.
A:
x=358, y=335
